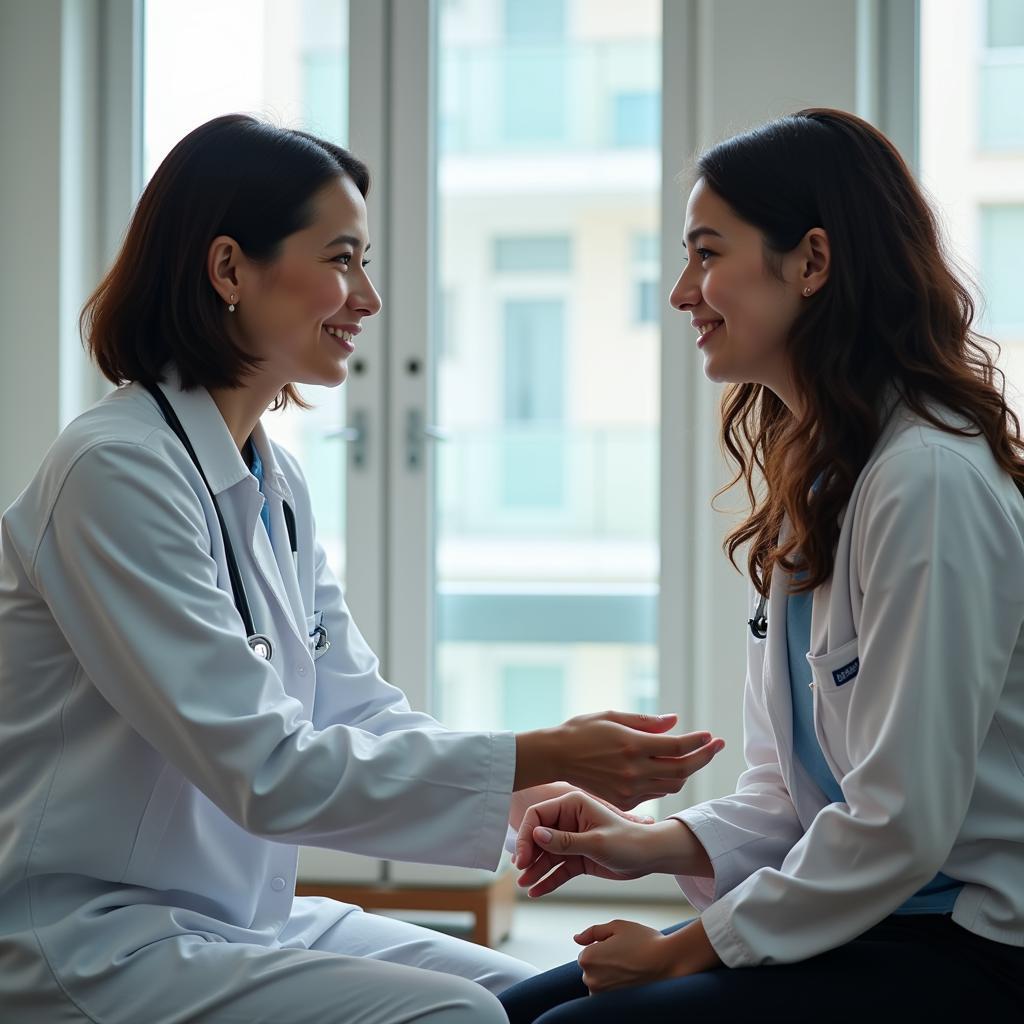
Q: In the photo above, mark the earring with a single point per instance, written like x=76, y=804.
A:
x=807, y=291
x=231, y=306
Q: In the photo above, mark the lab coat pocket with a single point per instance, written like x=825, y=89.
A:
x=153, y=825
x=316, y=635
x=835, y=678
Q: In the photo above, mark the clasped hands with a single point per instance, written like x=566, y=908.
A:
x=576, y=833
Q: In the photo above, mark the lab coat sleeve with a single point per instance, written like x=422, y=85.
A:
x=942, y=576
x=755, y=826
x=125, y=566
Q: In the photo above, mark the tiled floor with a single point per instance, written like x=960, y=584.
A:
x=542, y=932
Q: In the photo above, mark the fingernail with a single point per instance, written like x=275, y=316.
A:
x=670, y=715
x=542, y=834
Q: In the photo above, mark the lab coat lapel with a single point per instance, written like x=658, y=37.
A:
x=777, y=682
x=238, y=494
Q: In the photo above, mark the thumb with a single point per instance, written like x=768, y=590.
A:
x=556, y=841
x=645, y=723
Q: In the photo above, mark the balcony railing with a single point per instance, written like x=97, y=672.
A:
x=563, y=97
x=565, y=482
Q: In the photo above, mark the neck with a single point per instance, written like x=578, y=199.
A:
x=242, y=407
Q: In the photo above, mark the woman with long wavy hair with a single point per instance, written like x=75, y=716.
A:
x=873, y=851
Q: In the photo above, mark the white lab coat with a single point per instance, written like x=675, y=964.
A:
x=155, y=774
x=918, y=666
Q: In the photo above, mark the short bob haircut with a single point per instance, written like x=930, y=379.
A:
x=235, y=176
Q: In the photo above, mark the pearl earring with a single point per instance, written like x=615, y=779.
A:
x=807, y=291
x=231, y=306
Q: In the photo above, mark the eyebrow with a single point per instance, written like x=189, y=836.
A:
x=697, y=232
x=347, y=240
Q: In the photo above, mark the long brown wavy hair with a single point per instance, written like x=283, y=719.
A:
x=894, y=318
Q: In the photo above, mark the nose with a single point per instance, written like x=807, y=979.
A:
x=364, y=298
x=685, y=292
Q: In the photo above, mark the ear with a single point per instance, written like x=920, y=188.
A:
x=223, y=267
x=815, y=260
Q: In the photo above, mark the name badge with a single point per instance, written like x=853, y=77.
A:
x=847, y=672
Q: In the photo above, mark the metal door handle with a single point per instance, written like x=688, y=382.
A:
x=356, y=435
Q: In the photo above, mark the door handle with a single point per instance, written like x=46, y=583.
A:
x=355, y=435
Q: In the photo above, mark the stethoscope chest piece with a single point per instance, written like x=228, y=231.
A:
x=759, y=623
x=261, y=646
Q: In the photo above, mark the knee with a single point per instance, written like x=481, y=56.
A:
x=469, y=1003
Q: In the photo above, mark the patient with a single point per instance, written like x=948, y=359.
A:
x=872, y=853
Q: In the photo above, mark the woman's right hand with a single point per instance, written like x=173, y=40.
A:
x=575, y=835
x=622, y=757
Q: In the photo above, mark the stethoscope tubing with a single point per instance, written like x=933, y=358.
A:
x=258, y=642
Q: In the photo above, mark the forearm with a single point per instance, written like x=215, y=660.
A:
x=673, y=849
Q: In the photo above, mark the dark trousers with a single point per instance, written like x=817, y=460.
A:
x=916, y=965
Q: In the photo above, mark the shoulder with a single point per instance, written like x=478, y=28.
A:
x=111, y=456
x=917, y=456
x=923, y=478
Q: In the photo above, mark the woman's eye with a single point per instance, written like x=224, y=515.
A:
x=704, y=254
x=366, y=263
x=345, y=258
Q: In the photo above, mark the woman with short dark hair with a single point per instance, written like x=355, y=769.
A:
x=184, y=697
x=872, y=856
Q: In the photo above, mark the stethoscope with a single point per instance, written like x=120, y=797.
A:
x=759, y=623
x=259, y=643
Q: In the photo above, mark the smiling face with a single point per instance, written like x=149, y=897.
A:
x=302, y=312
x=742, y=311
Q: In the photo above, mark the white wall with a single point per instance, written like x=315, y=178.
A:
x=50, y=209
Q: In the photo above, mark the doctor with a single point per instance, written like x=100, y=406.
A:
x=872, y=857
x=183, y=694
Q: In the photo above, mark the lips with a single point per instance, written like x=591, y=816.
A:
x=343, y=333
x=705, y=328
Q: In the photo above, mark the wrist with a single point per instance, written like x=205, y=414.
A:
x=675, y=850
x=692, y=951
x=537, y=759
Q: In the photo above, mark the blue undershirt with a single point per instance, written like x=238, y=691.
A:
x=939, y=895
x=256, y=468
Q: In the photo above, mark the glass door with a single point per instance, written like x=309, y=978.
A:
x=546, y=361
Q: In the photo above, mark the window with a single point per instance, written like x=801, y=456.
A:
x=1001, y=85
x=646, y=289
x=533, y=696
x=533, y=253
x=636, y=119
x=534, y=368
x=1002, y=236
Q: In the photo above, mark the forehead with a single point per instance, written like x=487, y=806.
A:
x=706, y=208
x=338, y=209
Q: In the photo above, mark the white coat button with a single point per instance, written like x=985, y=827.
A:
x=301, y=669
x=277, y=884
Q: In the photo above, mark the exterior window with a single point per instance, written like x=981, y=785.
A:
x=534, y=696
x=533, y=449
x=646, y=286
x=1001, y=85
x=1002, y=231
x=534, y=253
x=636, y=119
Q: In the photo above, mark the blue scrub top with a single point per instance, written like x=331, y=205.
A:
x=939, y=895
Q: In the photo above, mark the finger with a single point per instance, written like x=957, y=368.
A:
x=554, y=841
x=675, y=745
x=595, y=933
x=645, y=723
x=562, y=874
x=701, y=758
x=538, y=869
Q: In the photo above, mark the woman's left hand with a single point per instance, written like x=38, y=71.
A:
x=624, y=953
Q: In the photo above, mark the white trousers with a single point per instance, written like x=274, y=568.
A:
x=364, y=969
